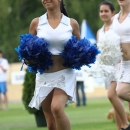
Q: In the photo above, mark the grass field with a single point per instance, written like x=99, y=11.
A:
x=91, y=117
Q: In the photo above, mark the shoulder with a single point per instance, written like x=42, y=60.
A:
x=5, y=61
x=100, y=29
x=98, y=33
x=115, y=16
x=33, y=26
x=35, y=21
x=75, y=27
x=74, y=23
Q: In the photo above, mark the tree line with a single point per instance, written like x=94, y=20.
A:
x=16, y=15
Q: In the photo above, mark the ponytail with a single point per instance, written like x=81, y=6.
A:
x=62, y=8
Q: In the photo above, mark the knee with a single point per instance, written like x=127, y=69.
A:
x=56, y=109
x=110, y=95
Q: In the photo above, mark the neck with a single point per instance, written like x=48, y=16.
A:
x=55, y=14
x=108, y=23
x=125, y=9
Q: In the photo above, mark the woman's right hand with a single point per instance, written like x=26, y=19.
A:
x=29, y=62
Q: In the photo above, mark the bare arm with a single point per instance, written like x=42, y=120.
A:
x=75, y=26
x=32, y=30
x=33, y=26
x=97, y=36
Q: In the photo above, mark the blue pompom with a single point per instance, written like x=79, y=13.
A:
x=77, y=53
x=34, y=48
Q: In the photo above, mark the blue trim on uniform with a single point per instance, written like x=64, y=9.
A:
x=3, y=87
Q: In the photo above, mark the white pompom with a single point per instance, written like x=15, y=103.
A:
x=109, y=45
x=98, y=70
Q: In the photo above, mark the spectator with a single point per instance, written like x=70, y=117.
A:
x=3, y=78
x=80, y=86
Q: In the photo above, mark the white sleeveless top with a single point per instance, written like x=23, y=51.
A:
x=102, y=32
x=122, y=29
x=56, y=37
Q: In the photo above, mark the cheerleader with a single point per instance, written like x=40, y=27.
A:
x=56, y=86
x=121, y=27
x=106, y=12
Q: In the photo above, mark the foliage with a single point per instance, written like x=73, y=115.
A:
x=16, y=16
x=28, y=91
x=87, y=9
x=15, y=21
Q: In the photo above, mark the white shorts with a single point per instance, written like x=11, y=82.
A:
x=108, y=81
x=46, y=82
x=124, y=74
x=112, y=77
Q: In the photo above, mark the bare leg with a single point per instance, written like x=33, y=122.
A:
x=46, y=106
x=118, y=120
x=58, y=103
x=0, y=102
x=5, y=101
x=123, y=91
x=118, y=106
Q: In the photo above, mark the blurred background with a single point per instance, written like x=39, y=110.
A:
x=15, y=18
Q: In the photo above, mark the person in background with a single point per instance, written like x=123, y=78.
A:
x=3, y=80
x=80, y=86
x=106, y=12
x=121, y=26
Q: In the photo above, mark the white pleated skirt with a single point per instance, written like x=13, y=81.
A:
x=46, y=82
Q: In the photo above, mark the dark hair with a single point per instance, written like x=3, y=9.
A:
x=62, y=8
x=0, y=52
x=110, y=4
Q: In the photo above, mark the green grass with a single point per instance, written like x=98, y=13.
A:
x=91, y=117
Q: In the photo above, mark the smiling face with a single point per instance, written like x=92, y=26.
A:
x=105, y=13
x=123, y=2
x=51, y=4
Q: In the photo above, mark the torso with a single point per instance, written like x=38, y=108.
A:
x=102, y=31
x=126, y=51
x=57, y=35
x=122, y=28
x=57, y=64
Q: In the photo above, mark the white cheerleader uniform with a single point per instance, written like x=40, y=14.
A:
x=63, y=79
x=111, y=77
x=123, y=30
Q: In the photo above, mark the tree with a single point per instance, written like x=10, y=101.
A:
x=16, y=16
